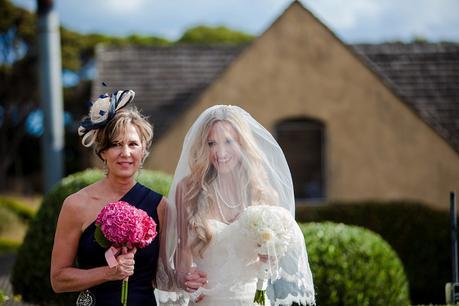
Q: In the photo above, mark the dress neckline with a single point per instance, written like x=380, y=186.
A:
x=218, y=221
x=93, y=223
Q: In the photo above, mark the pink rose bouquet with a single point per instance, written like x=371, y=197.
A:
x=121, y=224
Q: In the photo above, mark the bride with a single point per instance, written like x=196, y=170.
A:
x=229, y=162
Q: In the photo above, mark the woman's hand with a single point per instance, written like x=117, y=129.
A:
x=194, y=280
x=126, y=263
x=266, y=258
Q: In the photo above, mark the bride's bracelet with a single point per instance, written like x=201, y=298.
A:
x=195, y=295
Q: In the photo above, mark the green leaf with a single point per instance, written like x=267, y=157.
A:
x=100, y=238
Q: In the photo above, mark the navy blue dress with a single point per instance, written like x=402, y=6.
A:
x=90, y=255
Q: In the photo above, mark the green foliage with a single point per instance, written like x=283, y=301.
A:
x=100, y=237
x=353, y=266
x=30, y=276
x=419, y=235
x=8, y=245
x=17, y=27
x=214, y=35
x=21, y=209
x=156, y=180
x=7, y=219
x=3, y=298
x=78, y=49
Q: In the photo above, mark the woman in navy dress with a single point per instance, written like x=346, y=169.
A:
x=121, y=138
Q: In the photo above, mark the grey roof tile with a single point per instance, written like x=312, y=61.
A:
x=424, y=75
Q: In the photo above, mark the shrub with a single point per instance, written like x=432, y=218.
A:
x=353, y=266
x=420, y=236
x=22, y=210
x=8, y=245
x=30, y=276
x=7, y=219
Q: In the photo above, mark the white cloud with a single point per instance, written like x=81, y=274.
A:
x=352, y=20
x=344, y=14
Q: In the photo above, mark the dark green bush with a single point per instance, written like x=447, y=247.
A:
x=7, y=219
x=353, y=266
x=419, y=235
x=8, y=245
x=30, y=276
x=21, y=209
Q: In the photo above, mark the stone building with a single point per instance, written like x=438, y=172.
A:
x=356, y=122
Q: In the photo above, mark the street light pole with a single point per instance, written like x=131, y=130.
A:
x=50, y=79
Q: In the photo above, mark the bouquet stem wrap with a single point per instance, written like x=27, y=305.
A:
x=262, y=284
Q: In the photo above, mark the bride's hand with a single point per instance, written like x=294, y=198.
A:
x=195, y=279
x=266, y=258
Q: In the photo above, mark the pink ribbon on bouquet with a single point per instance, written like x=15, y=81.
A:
x=110, y=256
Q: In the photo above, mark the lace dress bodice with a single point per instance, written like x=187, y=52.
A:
x=231, y=265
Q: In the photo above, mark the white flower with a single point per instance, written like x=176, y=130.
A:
x=266, y=235
x=270, y=227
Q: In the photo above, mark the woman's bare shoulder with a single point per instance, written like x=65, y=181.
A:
x=80, y=198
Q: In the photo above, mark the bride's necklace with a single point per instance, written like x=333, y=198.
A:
x=221, y=199
x=223, y=215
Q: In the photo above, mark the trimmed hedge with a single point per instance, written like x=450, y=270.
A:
x=30, y=276
x=354, y=266
x=8, y=245
x=419, y=235
x=22, y=210
x=8, y=218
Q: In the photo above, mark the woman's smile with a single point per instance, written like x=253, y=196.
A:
x=224, y=149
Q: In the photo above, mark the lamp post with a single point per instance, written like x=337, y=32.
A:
x=50, y=80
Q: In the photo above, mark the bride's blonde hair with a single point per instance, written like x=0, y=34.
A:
x=203, y=173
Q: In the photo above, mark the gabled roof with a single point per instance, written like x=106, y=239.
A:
x=424, y=75
x=166, y=79
x=169, y=79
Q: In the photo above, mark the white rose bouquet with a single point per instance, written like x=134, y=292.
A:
x=271, y=228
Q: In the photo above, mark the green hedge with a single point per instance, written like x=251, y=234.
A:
x=419, y=235
x=8, y=245
x=30, y=276
x=354, y=266
x=21, y=209
x=7, y=219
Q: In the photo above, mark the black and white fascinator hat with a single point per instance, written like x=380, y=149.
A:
x=101, y=112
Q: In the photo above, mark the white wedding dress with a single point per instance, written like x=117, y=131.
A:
x=231, y=163
x=231, y=263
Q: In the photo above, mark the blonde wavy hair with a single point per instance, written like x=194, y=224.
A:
x=203, y=173
x=118, y=125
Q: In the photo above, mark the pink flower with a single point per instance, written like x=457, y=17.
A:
x=122, y=224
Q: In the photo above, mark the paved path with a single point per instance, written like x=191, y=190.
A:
x=6, y=264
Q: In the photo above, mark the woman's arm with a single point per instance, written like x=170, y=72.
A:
x=184, y=275
x=64, y=276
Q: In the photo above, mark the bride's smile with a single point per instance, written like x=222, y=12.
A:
x=224, y=149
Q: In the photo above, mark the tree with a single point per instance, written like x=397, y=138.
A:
x=18, y=90
x=214, y=35
x=19, y=84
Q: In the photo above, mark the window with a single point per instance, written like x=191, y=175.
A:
x=302, y=141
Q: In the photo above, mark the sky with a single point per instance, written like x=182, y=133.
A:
x=354, y=21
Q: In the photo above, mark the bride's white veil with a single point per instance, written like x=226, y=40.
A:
x=203, y=188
